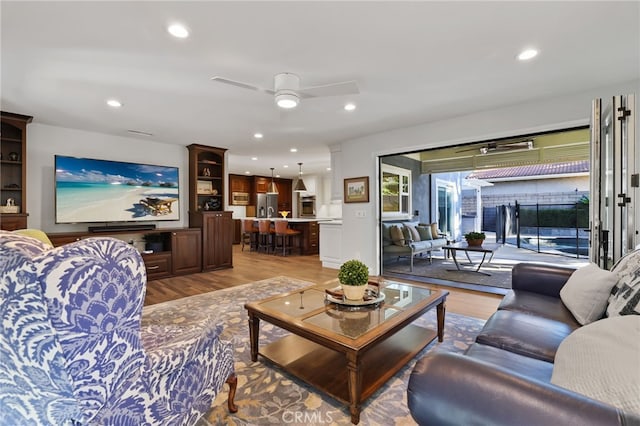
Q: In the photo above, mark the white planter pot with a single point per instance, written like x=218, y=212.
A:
x=354, y=292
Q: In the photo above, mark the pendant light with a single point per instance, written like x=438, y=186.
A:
x=300, y=184
x=272, y=188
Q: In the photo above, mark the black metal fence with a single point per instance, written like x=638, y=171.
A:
x=545, y=228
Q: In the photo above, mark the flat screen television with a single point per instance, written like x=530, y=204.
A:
x=101, y=191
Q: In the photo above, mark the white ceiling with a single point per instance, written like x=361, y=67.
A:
x=414, y=62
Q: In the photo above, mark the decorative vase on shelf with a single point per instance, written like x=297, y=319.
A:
x=353, y=277
x=474, y=239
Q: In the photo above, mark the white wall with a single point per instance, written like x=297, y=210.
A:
x=44, y=141
x=359, y=236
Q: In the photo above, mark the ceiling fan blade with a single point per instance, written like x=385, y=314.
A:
x=240, y=84
x=333, y=89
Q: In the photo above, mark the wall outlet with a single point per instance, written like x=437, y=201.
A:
x=361, y=213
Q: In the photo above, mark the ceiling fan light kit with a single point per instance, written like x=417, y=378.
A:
x=287, y=100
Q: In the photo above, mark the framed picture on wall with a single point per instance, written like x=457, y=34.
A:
x=356, y=190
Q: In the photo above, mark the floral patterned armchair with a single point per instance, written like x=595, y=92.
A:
x=74, y=347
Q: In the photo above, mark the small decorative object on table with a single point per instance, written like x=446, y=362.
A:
x=354, y=277
x=475, y=239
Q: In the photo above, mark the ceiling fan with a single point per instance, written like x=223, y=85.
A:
x=500, y=146
x=287, y=91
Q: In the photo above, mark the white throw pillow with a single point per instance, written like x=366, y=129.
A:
x=587, y=291
x=600, y=360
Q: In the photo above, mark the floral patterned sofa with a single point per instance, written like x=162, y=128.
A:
x=77, y=349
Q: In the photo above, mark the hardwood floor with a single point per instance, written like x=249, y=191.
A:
x=252, y=266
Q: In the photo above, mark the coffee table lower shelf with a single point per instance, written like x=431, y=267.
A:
x=326, y=369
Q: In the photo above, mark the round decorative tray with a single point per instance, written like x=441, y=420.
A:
x=371, y=297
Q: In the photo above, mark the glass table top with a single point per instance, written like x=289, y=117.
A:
x=310, y=306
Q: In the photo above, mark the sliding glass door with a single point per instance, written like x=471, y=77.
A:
x=614, y=179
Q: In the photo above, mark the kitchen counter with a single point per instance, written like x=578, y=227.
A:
x=331, y=243
x=308, y=239
x=292, y=220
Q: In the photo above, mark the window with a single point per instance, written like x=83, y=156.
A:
x=396, y=192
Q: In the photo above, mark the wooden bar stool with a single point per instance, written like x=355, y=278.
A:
x=283, y=236
x=249, y=234
x=265, y=236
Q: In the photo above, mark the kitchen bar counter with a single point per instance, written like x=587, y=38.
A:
x=291, y=220
x=309, y=238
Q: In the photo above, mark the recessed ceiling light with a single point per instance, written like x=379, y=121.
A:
x=254, y=158
x=258, y=135
x=527, y=54
x=294, y=150
x=247, y=172
x=114, y=103
x=285, y=166
x=350, y=106
x=328, y=169
x=178, y=30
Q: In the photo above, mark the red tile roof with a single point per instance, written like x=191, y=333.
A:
x=533, y=170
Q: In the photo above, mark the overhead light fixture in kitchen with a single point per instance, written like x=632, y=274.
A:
x=272, y=188
x=300, y=184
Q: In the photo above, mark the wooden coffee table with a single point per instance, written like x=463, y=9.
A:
x=346, y=353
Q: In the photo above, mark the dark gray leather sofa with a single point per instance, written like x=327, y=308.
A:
x=504, y=378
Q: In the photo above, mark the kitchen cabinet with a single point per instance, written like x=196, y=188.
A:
x=285, y=189
x=310, y=236
x=240, y=184
x=261, y=184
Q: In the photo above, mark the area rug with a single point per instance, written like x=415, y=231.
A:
x=267, y=395
x=445, y=269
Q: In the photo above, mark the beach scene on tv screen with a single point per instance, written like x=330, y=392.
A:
x=89, y=190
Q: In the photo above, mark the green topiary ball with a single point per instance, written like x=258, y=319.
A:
x=353, y=272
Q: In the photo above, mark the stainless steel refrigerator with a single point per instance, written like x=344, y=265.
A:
x=267, y=205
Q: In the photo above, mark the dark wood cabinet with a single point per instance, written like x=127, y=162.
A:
x=240, y=183
x=180, y=251
x=217, y=238
x=240, y=192
x=237, y=231
x=206, y=178
x=158, y=265
x=206, y=206
x=285, y=187
x=310, y=237
x=186, y=251
x=13, y=170
x=261, y=184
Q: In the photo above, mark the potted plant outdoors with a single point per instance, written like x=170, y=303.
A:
x=475, y=239
x=353, y=277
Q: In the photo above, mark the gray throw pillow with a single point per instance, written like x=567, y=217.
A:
x=425, y=232
x=586, y=292
x=415, y=235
